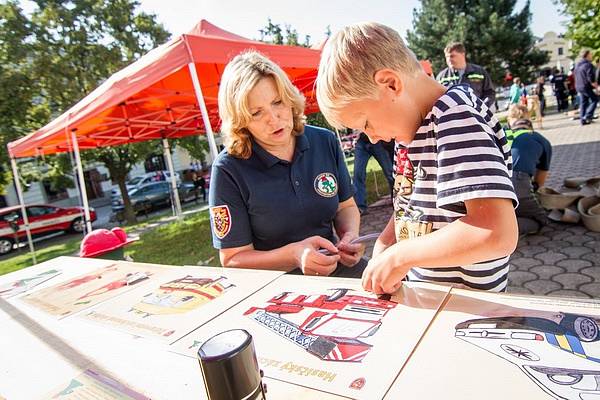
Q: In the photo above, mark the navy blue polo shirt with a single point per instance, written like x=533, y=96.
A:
x=530, y=152
x=271, y=202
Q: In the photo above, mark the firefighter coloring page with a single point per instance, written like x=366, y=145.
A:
x=181, y=301
x=535, y=348
x=84, y=291
x=25, y=284
x=327, y=333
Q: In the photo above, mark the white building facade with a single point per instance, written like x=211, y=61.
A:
x=559, y=50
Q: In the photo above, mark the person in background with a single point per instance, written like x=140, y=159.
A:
x=363, y=151
x=515, y=91
x=531, y=155
x=571, y=89
x=459, y=72
x=586, y=85
x=280, y=187
x=559, y=82
x=540, y=90
x=453, y=220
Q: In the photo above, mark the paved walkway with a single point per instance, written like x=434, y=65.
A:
x=563, y=259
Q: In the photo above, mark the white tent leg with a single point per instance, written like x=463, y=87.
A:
x=84, y=199
x=15, y=171
x=173, y=178
x=198, y=90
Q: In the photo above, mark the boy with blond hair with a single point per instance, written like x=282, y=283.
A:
x=453, y=219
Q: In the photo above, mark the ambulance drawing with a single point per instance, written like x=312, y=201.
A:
x=328, y=326
x=559, y=352
x=181, y=295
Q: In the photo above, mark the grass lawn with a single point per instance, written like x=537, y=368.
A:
x=24, y=259
x=185, y=242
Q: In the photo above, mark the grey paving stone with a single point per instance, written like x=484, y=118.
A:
x=593, y=244
x=594, y=258
x=578, y=240
x=592, y=289
x=571, y=281
x=542, y=286
x=559, y=234
x=574, y=266
x=516, y=254
x=556, y=245
x=532, y=250
x=569, y=293
x=534, y=240
x=594, y=272
x=518, y=290
x=518, y=278
x=576, y=251
x=525, y=262
x=547, y=271
x=577, y=229
x=551, y=257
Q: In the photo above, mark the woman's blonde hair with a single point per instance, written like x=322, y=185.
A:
x=239, y=77
x=349, y=61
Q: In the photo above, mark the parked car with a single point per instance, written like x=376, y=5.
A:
x=152, y=195
x=43, y=219
x=141, y=180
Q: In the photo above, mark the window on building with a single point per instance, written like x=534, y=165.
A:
x=560, y=51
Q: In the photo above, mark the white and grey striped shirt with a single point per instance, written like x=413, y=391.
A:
x=458, y=153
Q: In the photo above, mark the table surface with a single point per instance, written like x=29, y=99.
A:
x=41, y=353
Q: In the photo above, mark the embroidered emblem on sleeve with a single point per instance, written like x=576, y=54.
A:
x=221, y=220
x=326, y=184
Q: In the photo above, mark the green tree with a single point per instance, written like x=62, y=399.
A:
x=72, y=47
x=584, y=24
x=496, y=36
x=273, y=33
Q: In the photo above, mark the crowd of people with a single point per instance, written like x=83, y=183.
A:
x=281, y=196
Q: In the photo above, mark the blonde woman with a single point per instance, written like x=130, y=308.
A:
x=280, y=187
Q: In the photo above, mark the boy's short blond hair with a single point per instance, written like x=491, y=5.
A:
x=240, y=76
x=518, y=111
x=351, y=58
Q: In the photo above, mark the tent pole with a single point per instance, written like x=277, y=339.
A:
x=198, y=90
x=15, y=171
x=167, y=151
x=84, y=199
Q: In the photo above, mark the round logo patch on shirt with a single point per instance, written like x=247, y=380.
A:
x=326, y=184
x=221, y=220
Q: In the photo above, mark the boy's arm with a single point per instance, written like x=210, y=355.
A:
x=386, y=239
x=488, y=231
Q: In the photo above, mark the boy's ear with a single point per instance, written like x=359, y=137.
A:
x=388, y=80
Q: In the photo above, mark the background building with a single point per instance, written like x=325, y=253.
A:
x=559, y=49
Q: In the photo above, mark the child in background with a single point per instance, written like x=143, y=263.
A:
x=454, y=220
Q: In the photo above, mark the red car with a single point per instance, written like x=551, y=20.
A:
x=42, y=219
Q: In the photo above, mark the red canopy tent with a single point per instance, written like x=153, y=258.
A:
x=165, y=94
x=155, y=97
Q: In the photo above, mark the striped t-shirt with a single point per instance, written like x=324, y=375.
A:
x=459, y=153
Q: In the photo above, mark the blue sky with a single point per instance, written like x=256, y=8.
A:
x=311, y=17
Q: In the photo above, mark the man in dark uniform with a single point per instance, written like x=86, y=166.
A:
x=459, y=71
x=559, y=81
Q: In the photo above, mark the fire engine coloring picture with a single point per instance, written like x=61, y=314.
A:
x=87, y=290
x=532, y=348
x=25, y=284
x=181, y=301
x=327, y=333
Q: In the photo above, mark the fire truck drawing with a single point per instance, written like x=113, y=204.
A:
x=328, y=326
x=560, y=352
x=181, y=295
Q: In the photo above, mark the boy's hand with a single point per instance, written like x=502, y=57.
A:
x=350, y=254
x=382, y=276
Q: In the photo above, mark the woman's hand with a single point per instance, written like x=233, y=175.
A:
x=311, y=261
x=350, y=254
